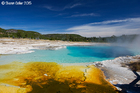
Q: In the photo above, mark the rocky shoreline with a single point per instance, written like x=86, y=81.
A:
x=21, y=46
x=120, y=75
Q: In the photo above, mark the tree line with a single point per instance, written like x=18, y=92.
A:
x=64, y=37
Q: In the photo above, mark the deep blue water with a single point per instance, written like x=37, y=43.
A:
x=99, y=51
x=71, y=54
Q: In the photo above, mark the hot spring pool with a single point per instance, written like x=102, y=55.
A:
x=71, y=54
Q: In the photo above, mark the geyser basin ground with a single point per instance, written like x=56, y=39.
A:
x=71, y=54
x=21, y=76
x=43, y=77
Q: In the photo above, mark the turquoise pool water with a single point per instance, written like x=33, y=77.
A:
x=71, y=54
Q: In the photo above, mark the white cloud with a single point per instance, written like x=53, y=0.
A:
x=90, y=14
x=108, y=28
x=54, y=8
x=74, y=5
x=48, y=7
x=61, y=14
x=110, y=21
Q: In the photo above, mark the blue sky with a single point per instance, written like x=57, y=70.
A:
x=85, y=17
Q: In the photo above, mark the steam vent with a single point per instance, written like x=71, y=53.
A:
x=43, y=77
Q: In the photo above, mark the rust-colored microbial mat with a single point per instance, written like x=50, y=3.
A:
x=43, y=77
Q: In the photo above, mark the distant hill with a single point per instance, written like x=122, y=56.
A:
x=122, y=38
x=76, y=37
x=19, y=33
x=64, y=37
x=73, y=37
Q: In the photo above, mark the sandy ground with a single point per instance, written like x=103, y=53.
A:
x=18, y=46
x=112, y=69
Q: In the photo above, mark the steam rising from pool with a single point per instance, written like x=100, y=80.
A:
x=133, y=44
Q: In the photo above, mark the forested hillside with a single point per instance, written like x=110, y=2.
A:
x=19, y=33
x=13, y=33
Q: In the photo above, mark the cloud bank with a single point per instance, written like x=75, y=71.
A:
x=108, y=28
